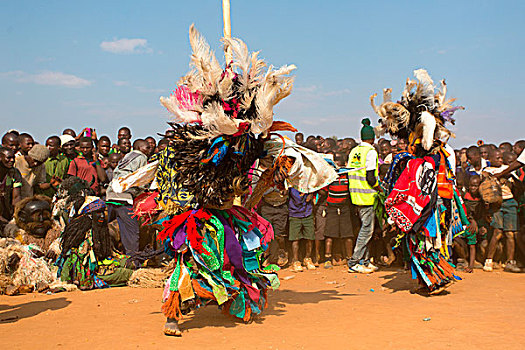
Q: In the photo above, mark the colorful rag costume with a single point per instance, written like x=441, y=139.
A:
x=422, y=201
x=223, y=125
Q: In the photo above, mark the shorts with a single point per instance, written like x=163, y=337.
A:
x=469, y=237
x=506, y=218
x=301, y=228
x=320, y=222
x=339, y=222
x=277, y=216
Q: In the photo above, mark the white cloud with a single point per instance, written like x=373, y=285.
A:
x=126, y=46
x=120, y=83
x=47, y=78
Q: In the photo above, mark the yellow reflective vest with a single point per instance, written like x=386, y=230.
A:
x=361, y=192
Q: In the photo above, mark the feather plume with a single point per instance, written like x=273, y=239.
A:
x=387, y=95
x=373, y=104
x=425, y=87
x=178, y=114
x=203, y=58
x=216, y=122
x=429, y=126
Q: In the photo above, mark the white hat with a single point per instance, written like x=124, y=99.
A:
x=65, y=139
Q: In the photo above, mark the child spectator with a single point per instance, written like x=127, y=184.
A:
x=26, y=143
x=113, y=160
x=505, y=220
x=338, y=216
x=301, y=226
x=475, y=214
x=86, y=166
x=476, y=162
x=385, y=152
x=104, y=147
x=56, y=166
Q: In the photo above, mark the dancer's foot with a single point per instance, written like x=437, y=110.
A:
x=172, y=328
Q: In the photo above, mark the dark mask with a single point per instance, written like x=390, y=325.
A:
x=36, y=217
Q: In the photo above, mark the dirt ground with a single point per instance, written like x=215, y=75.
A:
x=312, y=310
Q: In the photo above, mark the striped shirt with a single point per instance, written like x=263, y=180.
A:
x=338, y=192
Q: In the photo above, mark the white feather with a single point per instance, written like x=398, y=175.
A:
x=429, y=126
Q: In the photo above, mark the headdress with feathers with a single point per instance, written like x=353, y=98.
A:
x=221, y=119
x=421, y=112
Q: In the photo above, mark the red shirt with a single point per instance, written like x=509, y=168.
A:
x=81, y=168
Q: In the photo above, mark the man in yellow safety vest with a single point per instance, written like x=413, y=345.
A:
x=363, y=184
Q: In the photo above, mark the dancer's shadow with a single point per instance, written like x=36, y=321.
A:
x=13, y=313
x=278, y=300
x=401, y=280
x=398, y=281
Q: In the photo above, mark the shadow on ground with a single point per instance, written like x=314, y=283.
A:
x=278, y=300
x=400, y=280
x=14, y=313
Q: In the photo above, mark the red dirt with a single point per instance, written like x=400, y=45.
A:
x=315, y=309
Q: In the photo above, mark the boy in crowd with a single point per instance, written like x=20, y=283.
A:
x=56, y=166
x=338, y=215
x=301, y=226
x=476, y=217
x=33, y=171
x=124, y=146
x=113, y=160
x=385, y=152
x=505, y=220
x=26, y=143
x=477, y=163
x=104, y=147
x=10, y=141
x=86, y=165
x=299, y=138
x=484, y=151
x=10, y=185
x=124, y=133
x=153, y=145
x=67, y=144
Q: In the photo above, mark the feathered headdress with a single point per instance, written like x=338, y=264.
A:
x=221, y=119
x=421, y=113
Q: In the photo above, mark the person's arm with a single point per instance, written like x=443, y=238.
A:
x=101, y=173
x=513, y=166
x=41, y=181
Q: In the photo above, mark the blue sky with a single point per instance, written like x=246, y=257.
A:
x=105, y=64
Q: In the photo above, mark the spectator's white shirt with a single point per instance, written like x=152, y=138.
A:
x=371, y=156
x=521, y=157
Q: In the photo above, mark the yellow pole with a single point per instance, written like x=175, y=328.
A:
x=227, y=28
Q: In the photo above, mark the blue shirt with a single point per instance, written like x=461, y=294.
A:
x=297, y=205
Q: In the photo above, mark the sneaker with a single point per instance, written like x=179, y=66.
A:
x=372, y=267
x=358, y=268
x=488, y=266
x=283, y=258
x=309, y=264
x=512, y=267
x=296, y=267
x=328, y=264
